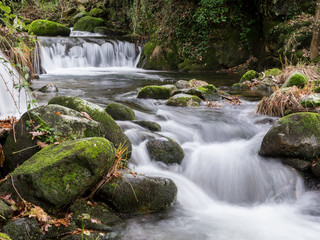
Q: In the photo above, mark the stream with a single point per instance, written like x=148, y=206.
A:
x=226, y=190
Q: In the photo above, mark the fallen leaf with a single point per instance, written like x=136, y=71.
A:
x=87, y=116
x=42, y=144
x=36, y=134
x=95, y=221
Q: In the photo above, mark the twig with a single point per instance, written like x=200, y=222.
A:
x=25, y=149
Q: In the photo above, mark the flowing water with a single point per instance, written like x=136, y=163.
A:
x=225, y=189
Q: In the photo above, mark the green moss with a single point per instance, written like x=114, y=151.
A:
x=152, y=126
x=184, y=100
x=316, y=90
x=120, y=112
x=48, y=28
x=273, y=72
x=155, y=92
x=4, y=236
x=88, y=24
x=296, y=79
x=98, y=13
x=208, y=89
x=248, y=76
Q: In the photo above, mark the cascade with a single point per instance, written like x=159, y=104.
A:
x=13, y=99
x=84, y=52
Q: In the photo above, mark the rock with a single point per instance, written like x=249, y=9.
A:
x=49, y=88
x=296, y=79
x=108, y=32
x=249, y=76
x=59, y=174
x=297, y=163
x=155, y=92
x=197, y=83
x=273, y=72
x=265, y=121
x=57, y=122
x=182, y=84
x=139, y=194
x=5, y=211
x=48, y=28
x=237, y=86
x=120, y=112
x=83, y=212
x=311, y=101
x=165, y=150
x=294, y=136
x=184, y=100
x=88, y=24
x=4, y=133
x=315, y=168
x=78, y=16
x=112, y=130
x=152, y=126
x=206, y=92
x=98, y=13
x=23, y=229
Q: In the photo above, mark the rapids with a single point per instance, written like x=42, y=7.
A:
x=226, y=190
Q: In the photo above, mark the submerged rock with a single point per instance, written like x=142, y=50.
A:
x=57, y=175
x=155, y=92
x=46, y=124
x=120, y=112
x=152, y=126
x=112, y=130
x=88, y=24
x=49, y=88
x=294, y=136
x=137, y=194
x=165, y=150
x=184, y=100
x=48, y=28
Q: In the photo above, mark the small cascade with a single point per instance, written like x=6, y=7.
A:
x=13, y=97
x=57, y=53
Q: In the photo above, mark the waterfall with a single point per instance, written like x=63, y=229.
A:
x=57, y=53
x=13, y=97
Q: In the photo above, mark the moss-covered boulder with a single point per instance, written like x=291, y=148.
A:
x=120, y=112
x=88, y=24
x=155, y=92
x=105, y=219
x=49, y=88
x=311, y=101
x=59, y=174
x=238, y=86
x=112, y=130
x=197, y=83
x=152, y=126
x=137, y=194
x=182, y=84
x=273, y=72
x=294, y=136
x=184, y=100
x=205, y=92
x=46, y=124
x=165, y=150
x=48, y=28
x=5, y=211
x=296, y=79
x=98, y=13
x=22, y=229
x=249, y=76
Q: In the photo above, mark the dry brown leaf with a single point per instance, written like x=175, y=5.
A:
x=42, y=144
x=2, y=158
x=36, y=134
x=95, y=221
x=87, y=116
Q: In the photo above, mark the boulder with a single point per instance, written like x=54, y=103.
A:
x=55, y=122
x=98, y=13
x=197, y=83
x=165, y=150
x=296, y=79
x=182, y=84
x=315, y=168
x=294, y=136
x=112, y=130
x=238, y=86
x=311, y=101
x=249, y=76
x=5, y=211
x=83, y=213
x=120, y=112
x=152, y=126
x=59, y=174
x=22, y=229
x=184, y=100
x=49, y=88
x=137, y=194
x=273, y=72
x=206, y=92
x=88, y=24
x=155, y=92
x=48, y=28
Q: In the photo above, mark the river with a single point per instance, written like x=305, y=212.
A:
x=226, y=191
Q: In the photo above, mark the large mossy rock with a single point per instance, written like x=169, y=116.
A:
x=294, y=136
x=111, y=129
x=23, y=229
x=88, y=24
x=48, y=28
x=184, y=100
x=249, y=76
x=205, y=92
x=155, y=92
x=296, y=79
x=120, y=112
x=59, y=174
x=138, y=194
x=152, y=126
x=83, y=213
x=273, y=72
x=64, y=123
x=165, y=150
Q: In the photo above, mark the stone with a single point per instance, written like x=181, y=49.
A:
x=88, y=24
x=297, y=163
x=311, y=101
x=155, y=92
x=249, y=76
x=184, y=100
x=139, y=194
x=23, y=229
x=59, y=174
x=152, y=126
x=49, y=88
x=315, y=168
x=5, y=211
x=48, y=28
x=273, y=72
x=182, y=84
x=296, y=79
x=120, y=112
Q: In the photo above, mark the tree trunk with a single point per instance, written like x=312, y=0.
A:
x=314, y=48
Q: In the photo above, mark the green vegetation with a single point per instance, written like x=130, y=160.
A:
x=248, y=76
x=296, y=79
x=48, y=28
x=88, y=24
x=155, y=92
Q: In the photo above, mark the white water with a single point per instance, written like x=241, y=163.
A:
x=13, y=102
x=226, y=191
